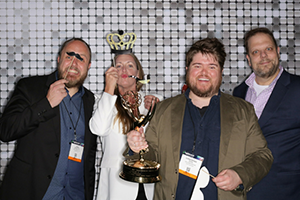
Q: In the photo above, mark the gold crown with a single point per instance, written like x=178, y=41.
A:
x=119, y=43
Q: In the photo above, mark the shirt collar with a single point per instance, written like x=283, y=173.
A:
x=214, y=98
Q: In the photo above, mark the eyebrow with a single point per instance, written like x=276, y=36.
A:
x=215, y=64
x=76, y=55
x=128, y=62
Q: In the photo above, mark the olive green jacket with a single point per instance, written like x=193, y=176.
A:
x=243, y=147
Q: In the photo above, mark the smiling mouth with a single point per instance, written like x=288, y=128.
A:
x=203, y=79
x=72, y=71
x=264, y=62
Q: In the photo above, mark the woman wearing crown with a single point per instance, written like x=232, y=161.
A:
x=111, y=122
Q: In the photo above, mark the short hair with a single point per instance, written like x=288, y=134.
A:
x=207, y=46
x=75, y=39
x=255, y=31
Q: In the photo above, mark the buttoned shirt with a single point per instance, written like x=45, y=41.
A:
x=205, y=130
x=68, y=180
x=260, y=100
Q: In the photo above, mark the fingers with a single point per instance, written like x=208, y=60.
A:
x=227, y=180
x=136, y=140
x=112, y=71
x=57, y=92
x=149, y=100
x=111, y=79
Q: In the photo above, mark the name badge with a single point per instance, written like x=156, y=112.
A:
x=76, y=151
x=190, y=164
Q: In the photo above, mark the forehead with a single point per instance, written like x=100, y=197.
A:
x=204, y=58
x=76, y=46
x=260, y=39
x=125, y=58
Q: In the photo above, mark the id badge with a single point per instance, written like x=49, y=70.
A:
x=190, y=164
x=76, y=151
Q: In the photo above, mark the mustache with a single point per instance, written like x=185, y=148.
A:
x=76, y=55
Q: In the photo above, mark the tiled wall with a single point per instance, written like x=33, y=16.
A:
x=32, y=31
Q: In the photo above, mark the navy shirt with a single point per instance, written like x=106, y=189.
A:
x=205, y=131
x=68, y=180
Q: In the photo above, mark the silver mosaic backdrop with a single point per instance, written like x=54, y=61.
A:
x=32, y=31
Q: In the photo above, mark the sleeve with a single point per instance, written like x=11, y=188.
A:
x=258, y=159
x=24, y=112
x=103, y=115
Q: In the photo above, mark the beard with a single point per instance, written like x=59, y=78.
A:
x=264, y=72
x=73, y=81
x=209, y=92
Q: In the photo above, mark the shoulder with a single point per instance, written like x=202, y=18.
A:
x=294, y=78
x=177, y=100
x=32, y=84
x=290, y=81
x=33, y=79
x=235, y=102
x=88, y=92
x=240, y=90
x=89, y=95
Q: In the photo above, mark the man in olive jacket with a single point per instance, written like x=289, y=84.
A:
x=206, y=122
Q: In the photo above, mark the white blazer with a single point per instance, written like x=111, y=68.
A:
x=111, y=186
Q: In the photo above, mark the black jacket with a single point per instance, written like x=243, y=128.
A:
x=29, y=119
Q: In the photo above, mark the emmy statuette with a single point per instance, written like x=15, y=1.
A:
x=139, y=170
x=134, y=170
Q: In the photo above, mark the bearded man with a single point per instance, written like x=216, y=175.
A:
x=204, y=127
x=48, y=117
x=275, y=95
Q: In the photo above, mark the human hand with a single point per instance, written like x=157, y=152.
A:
x=136, y=140
x=111, y=78
x=57, y=92
x=149, y=99
x=227, y=180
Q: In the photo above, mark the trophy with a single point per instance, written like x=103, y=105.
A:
x=139, y=170
x=134, y=170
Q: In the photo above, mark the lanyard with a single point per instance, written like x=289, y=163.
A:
x=195, y=134
x=74, y=127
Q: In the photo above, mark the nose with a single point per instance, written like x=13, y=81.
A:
x=123, y=68
x=73, y=61
x=263, y=54
x=203, y=70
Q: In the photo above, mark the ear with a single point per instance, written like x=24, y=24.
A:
x=248, y=59
x=89, y=66
x=278, y=51
x=58, y=58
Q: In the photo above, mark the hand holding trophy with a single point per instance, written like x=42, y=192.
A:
x=139, y=170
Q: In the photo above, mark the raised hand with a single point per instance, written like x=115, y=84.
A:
x=57, y=92
x=111, y=78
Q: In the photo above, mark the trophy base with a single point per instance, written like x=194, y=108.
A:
x=146, y=172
